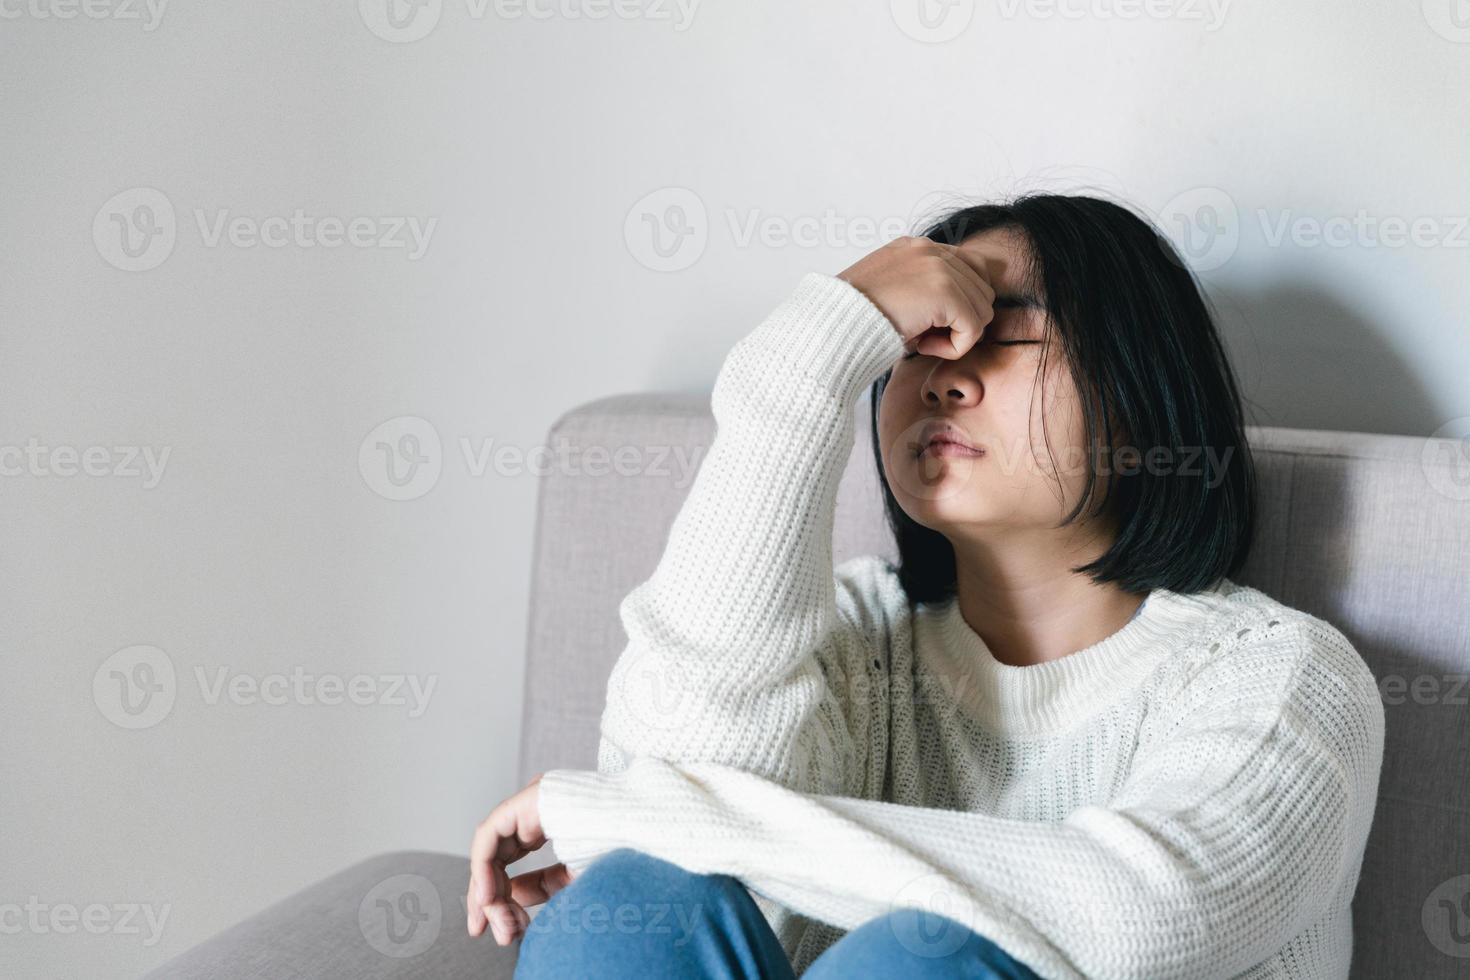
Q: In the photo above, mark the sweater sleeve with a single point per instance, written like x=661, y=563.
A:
x=737, y=648
x=1243, y=817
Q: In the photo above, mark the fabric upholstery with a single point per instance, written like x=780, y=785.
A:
x=391, y=916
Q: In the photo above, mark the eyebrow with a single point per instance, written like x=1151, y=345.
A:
x=1022, y=300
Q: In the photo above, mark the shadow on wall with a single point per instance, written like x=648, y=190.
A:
x=1306, y=361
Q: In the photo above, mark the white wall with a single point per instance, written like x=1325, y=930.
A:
x=529, y=142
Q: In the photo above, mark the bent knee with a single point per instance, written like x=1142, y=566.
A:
x=618, y=861
x=918, y=943
x=626, y=870
x=632, y=908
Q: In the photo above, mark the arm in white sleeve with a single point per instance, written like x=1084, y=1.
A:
x=737, y=648
x=1243, y=814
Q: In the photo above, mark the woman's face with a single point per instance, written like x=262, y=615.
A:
x=993, y=396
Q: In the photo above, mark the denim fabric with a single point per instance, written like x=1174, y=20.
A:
x=632, y=915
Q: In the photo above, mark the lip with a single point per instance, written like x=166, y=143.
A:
x=940, y=438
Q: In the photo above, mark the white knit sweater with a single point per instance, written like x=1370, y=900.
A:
x=1188, y=797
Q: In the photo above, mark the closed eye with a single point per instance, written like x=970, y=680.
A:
x=996, y=343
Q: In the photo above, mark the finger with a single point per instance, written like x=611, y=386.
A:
x=507, y=920
x=522, y=831
x=511, y=831
x=965, y=325
x=535, y=887
x=488, y=880
x=474, y=918
x=476, y=921
x=977, y=287
x=482, y=849
x=974, y=268
x=980, y=294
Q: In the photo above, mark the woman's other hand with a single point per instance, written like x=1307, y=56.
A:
x=509, y=833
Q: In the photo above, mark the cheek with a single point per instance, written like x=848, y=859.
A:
x=1060, y=447
x=901, y=390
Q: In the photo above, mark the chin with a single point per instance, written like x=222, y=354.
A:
x=955, y=506
x=939, y=484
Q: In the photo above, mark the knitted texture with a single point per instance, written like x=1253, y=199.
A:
x=1188, y=797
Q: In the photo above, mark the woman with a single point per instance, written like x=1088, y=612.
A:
x=1053, y=739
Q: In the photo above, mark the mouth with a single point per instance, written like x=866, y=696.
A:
x=944, y=440
x=945, y=448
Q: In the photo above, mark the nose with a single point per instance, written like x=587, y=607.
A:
x=950, y=384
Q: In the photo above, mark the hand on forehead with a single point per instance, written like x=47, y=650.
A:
x=998, y=254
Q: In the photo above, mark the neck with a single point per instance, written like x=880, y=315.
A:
x=1028, y=605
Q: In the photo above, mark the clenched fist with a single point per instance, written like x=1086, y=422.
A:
x=937, y=296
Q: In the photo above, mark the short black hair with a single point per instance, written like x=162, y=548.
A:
x=1150, y=367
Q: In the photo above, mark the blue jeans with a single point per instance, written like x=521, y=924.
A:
x=629, y=914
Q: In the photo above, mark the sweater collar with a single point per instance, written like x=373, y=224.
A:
x=1050, y=697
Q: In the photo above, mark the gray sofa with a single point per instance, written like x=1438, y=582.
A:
x=1369, y=532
